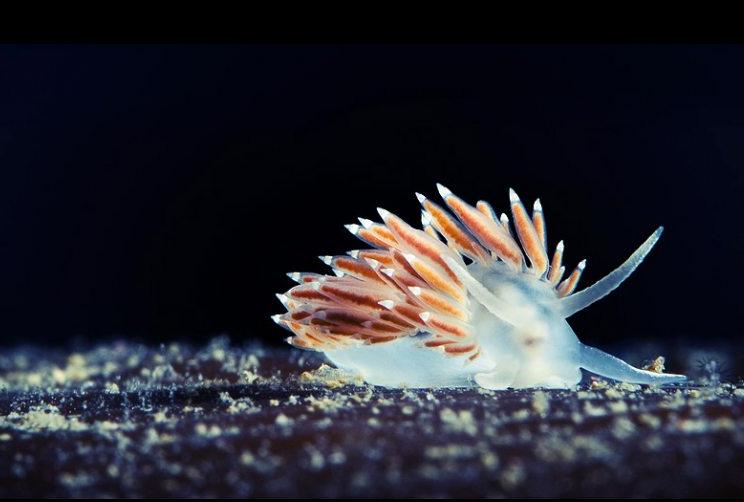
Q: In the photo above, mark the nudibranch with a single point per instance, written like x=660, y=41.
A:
x=410, y=311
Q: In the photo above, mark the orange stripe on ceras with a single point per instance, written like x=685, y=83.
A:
x=438, y=343
x=453, y=233
x=567, y=287
x=382, y=339
x=383, y=327
x=320, y=322
x=441, y=304
x=318, y=338
x=356, y=268
x=531, y=241
x=555, y=264
x=422, y=243
x=436, y=322
x=404, y=275
x=400, y=279
x=298, y=342
x=378, y=235
x=400, y=262
x=355, y=296
x=307, y=277
x=379, y=329
x=485, y=208
x=350, y=322
x=409, y=312
x=295, y=327
x=538, y=219
x=459, y=348
x=384, y=257
x=435, y=279
x=345, y=316
x=487, y=231
x=300, y=330
x=339, y=329
x=395, y=284
x=307, y=293
x=298, y=315
x=404, y=281
x=391, y=317
x=319, y=335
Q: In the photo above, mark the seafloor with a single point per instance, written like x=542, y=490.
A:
x=123, y=419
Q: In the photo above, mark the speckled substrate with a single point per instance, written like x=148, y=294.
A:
x=129, y=420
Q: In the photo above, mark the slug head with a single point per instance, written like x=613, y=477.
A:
x=536, y=347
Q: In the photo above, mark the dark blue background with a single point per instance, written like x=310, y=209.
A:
x=163, y=191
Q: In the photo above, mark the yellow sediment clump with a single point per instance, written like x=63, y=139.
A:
x=657, y=365
x=42, y=418
x=331, y=377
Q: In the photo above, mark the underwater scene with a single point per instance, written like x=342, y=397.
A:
x=358, y=270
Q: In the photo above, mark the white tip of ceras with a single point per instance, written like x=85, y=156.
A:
x=513, y=197
x=415, y=290
x=365, y=222
x=328, y=260
x=295, y=276
x=504, y=219
x=444, y=192
x=537, y=207
x=283, y=298
x=372, y=263
x=426, y=218
x=421, y=198
x=354, y=253
x=384, y=213
x=582, y=264
x=388, y=271
x=388, y=304
x=425, y=316
x=277, y=318
x=353, y=228
x=559, y=247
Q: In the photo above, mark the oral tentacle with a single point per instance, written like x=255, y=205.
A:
x=578, y=301
x=607, y=365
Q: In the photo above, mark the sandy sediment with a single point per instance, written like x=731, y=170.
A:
x=123, y=419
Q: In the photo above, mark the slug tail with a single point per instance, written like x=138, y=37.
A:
x=609, y=366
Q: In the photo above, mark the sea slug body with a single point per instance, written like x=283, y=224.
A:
x=471, y=299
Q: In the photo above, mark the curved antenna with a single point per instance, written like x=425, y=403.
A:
x=578, y=301
x=494, y=305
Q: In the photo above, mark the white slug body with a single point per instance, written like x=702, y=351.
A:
x=410, y=311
